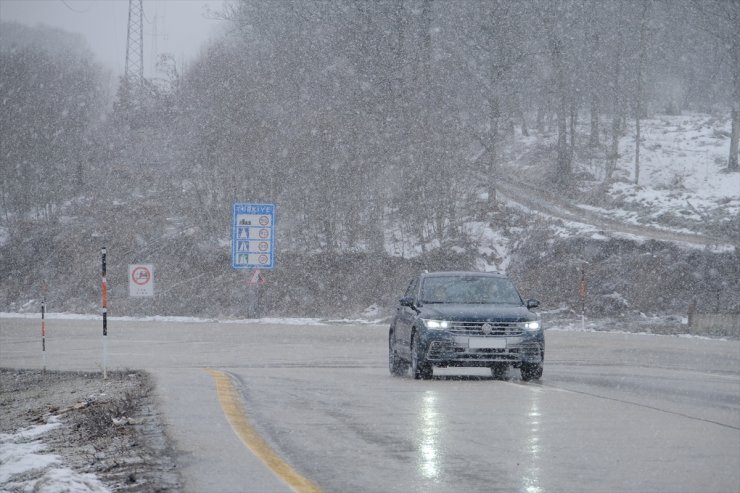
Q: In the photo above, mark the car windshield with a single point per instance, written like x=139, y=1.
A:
x=469, y=289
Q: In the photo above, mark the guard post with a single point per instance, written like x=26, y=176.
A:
x=582, y=291
x=103, y=252
x=43, y=331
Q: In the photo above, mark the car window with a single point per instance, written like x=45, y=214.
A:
x=471, y=289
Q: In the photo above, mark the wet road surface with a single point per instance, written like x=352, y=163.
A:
x=613, y=412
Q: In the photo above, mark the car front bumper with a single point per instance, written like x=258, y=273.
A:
x=454, y=350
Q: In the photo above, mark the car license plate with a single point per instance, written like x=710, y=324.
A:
x=487, y=342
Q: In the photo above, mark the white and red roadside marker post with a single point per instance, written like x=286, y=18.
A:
x=582, y=291
x=43, y=331
x=105, y=314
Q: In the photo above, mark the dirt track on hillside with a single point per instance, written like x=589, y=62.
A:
x=545, y=202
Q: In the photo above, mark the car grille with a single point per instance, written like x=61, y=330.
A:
x=450, y=352
x=497, y=328
x=446, y=350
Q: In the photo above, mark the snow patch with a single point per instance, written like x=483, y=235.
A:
x=23, y=460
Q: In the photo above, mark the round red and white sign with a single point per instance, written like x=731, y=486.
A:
x=141, y=275
x=141, y=280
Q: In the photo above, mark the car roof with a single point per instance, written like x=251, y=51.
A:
x=463, y=273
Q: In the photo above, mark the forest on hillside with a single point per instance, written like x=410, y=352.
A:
x=356, y=118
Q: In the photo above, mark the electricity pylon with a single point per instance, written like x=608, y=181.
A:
x=134, y=74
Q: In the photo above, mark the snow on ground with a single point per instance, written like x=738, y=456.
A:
x=683, y=184
x=682, y=177
x=25, y=466
x=371, y=315
x=683, y=187
x=493, y=247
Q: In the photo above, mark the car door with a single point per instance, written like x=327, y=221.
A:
x=405, y=316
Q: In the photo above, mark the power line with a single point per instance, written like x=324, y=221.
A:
x=64, y=2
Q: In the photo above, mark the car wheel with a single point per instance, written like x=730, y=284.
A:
x=397, y=366
x=499, y=371
x=531, y=371
x=420, y=369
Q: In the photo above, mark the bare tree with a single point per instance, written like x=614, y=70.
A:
x=642, y=49
x=720, y=19
x=556, y=20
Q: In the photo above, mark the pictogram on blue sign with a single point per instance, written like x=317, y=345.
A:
x=253, y=236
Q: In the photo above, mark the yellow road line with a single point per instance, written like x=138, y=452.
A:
x=233, y=408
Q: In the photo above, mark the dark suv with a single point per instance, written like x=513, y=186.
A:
x=465, y=319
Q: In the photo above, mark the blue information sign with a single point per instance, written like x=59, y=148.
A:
x=253, y=236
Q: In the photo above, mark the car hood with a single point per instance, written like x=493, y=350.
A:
x=477, y=312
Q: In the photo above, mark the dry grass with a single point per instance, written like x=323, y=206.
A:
x=110, y=427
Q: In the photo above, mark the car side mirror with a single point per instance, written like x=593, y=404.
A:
x=407, y=301
x=532, y=303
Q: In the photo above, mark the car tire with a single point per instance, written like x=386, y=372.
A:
x=531, y=371
x=420, y=369
x=397, y=366
x=499, y=371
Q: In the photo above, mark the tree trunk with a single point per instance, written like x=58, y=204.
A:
x=525, y=130
x=573, y=124
x=563, y=159
x=593, y=139
x=732, y=162
x=492, y=151
x=638, y=96
x=540, y=119
x=637, y=147
x=563, y=149
x=611, y=163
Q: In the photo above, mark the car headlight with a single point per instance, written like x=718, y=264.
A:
x=532, y=325
x=436, y=324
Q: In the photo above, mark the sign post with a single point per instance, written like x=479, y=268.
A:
x=253, y=242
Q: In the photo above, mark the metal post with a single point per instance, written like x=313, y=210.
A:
x=43, y=330
x=105, y=315
x=582, y=291
x=258, y=293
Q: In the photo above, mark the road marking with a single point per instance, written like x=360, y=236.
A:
x=235, y=412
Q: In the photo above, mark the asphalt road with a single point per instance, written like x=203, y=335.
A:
x=613, y=412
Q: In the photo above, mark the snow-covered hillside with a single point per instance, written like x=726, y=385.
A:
x=683, y=180
x=683, y=185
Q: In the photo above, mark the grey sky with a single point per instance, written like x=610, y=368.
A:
x=181, y=26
